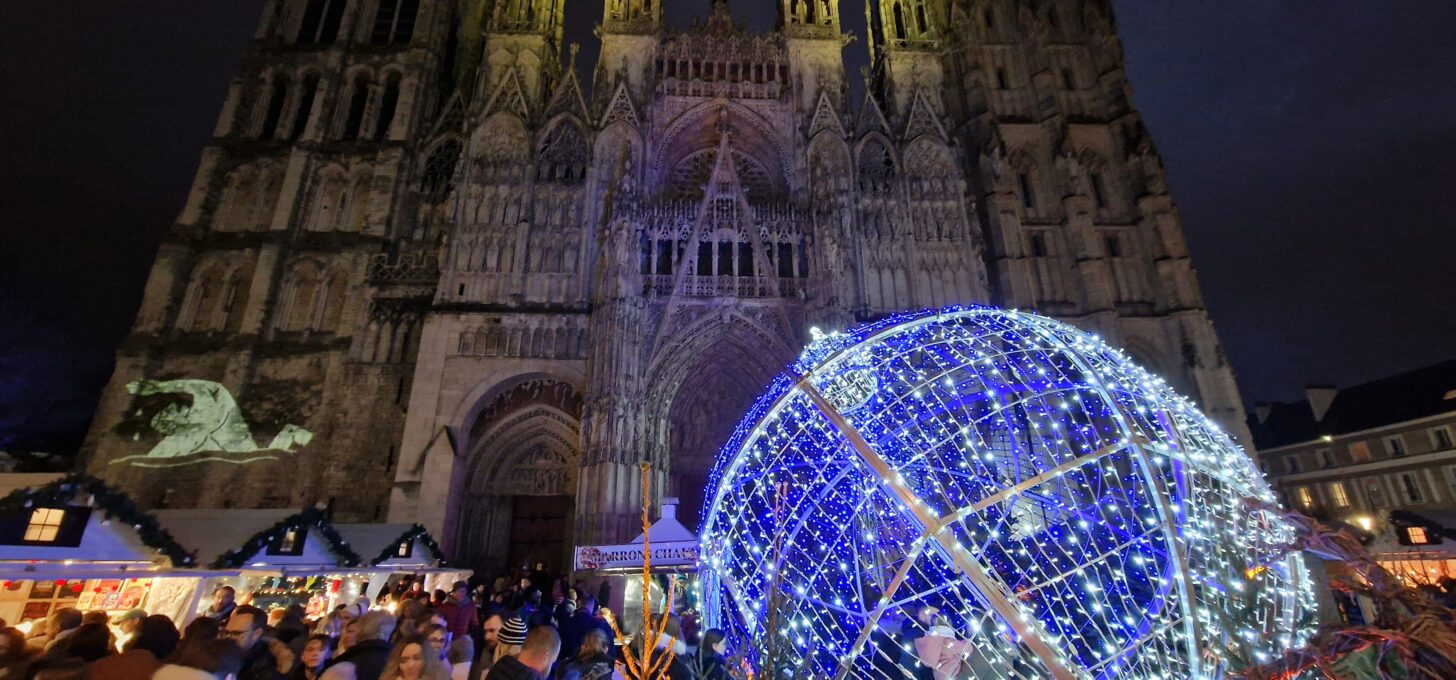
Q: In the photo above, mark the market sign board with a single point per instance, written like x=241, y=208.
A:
x=668, y=555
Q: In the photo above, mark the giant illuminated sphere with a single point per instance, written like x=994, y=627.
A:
x=1068, y=514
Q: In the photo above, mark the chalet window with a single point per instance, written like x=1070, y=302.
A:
x=1360, y=452
x=60, y=527
x=290, y=542
x=1417, y=536
x=1291, y=464
x=45, y=525
x=1028, y=197
x=1326, y=458
x=1395, y=446
x=1002, y=82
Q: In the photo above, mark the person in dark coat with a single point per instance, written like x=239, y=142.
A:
x=575, y=627
x=155, y=639
x=592, y=662
x=370, y=653
x=708, y=662
x=223, y=604
x=263, y=658
x=534, y=661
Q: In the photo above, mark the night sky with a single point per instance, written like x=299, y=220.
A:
x=1311, y=148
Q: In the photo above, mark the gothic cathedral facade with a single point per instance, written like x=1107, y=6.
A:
x=457, y=286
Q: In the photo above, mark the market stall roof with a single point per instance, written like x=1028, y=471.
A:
x=393, y=545
x=674, y=548
x=78, y=526
x=14, y=481
x=235, y=538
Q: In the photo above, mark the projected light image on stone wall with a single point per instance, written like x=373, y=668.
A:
x=1063, y=512
x=205, y=425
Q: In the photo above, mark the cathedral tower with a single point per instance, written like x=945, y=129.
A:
x=424, y=272
x=260, y=323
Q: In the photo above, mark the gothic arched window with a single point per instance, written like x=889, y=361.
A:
x=439, y=176
x=563, y=155
x=358, y=100
x=330, y=201
x=321, y=20
x=331, y=302
x=298, y=310
x=304, y=112
x=394, y=22
x=876, y=166
x=388, y=104
x=358, y=206
x=278, y=94
x=199, y=309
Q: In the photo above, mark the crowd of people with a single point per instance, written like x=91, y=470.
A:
x=511, y=630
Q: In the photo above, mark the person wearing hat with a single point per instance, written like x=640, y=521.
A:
x=512, y=636
x=534, y=657
x=128, y=623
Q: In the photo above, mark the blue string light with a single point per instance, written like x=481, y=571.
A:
x=1066, y=512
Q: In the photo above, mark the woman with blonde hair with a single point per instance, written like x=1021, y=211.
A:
x=512, y=636
x=413, y=659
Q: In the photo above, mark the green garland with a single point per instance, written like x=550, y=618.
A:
x=310, y=518
x=112, y=502
x=416, y=533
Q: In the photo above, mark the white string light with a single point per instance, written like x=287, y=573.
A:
x=1065, y=510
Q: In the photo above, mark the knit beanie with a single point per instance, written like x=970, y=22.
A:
x=513, y=632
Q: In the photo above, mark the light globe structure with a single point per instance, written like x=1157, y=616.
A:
x=1067, y=513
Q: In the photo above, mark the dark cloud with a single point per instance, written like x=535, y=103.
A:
x=1310, y=146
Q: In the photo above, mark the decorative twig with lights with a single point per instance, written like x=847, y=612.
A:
x=1411, y=636
x=649, y=666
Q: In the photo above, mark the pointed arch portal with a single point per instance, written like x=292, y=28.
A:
x=517, y=482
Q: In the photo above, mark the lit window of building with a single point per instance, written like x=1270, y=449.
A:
x=1417, y=535
x=1303, y=497
x=1360, y=452
x=45, y=525
x=1338, y=496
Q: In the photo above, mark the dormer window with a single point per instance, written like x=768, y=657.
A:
x=290, y=543
x=1417, y=536
x=53, y=527
x=404, y=549
x=45, y=525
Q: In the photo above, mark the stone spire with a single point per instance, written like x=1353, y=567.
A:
x=720, y=18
